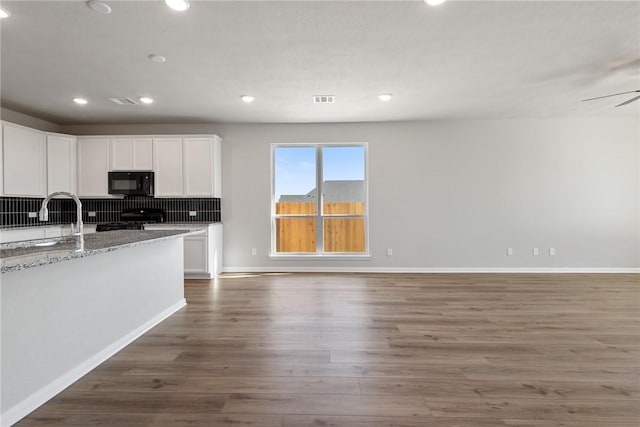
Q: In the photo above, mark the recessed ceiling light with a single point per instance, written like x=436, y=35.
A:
x=146, y=100
x=179, y=5
x=385, y=97
x=80, y=101
x=4, y=13
x=434, y=2
x=99, y=6
x=247, y=98
x=157, y=58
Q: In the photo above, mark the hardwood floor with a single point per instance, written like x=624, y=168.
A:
x=356, y=350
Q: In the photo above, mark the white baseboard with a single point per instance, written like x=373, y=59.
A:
x=529, y=270
x=37, y=399
x=196, y=276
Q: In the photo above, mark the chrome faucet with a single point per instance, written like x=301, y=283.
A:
x=79, y=232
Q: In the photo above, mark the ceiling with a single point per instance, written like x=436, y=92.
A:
x=463, y=59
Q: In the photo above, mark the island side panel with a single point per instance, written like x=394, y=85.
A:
x=61, y=320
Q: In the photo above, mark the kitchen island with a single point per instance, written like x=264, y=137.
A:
x=65, y=311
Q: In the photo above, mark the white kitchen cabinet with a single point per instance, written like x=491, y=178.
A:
x=25, y=161
x=93, y=166
x=1, y=160
x=196, y=255
x=167, y=165
x=187, y=167
x=202, y=251
x=131, y=154
x=201, y=164
x=29, y=233
x=61, y=163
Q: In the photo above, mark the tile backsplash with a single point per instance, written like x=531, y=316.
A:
x=22, y=211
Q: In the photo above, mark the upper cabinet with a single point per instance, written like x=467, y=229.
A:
x=131, y=154
x=201, y=163
x=167, y=165
x=34, y=163
x=93, y=166
x=25, y=161
x=1, y=159
x=61, y=163
x=187, y=167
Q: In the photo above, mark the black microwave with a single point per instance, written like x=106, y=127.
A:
x=131, y=183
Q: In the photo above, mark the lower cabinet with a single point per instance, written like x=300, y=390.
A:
x=196, y=255
x=202, y=251
x=28, y=233
x=40, y=232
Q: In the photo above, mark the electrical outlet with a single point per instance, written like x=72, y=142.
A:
x=33, y=214
x=193, y=213
x=92, y=214
x=389, y=252
x=509, y=251
x=254, y=251
x=552, y=251
x=536, y=251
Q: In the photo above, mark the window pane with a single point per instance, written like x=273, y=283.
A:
x=296, y=234
x=343, y=174
x=295, y=180
x=344, y=235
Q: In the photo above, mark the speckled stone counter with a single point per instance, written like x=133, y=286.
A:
x=15, y=258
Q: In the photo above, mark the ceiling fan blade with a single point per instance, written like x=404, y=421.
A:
x=635, y=98
x=613, y=94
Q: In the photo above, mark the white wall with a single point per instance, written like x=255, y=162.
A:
x=452, y=194
x=29, y=121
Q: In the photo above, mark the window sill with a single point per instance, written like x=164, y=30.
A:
x=362, y=257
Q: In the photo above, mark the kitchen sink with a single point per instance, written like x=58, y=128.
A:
x=51, y=241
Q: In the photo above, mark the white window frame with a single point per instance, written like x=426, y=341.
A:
x=320, y=200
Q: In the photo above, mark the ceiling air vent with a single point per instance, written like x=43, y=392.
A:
x=323, y=99
x=123, y=101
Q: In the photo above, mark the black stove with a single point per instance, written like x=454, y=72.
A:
x=134, y=219
x=120, y=225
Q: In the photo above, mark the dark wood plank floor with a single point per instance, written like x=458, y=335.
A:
x=354, y=350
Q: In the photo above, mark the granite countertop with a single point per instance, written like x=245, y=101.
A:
x=179, y=224
x=16, y=256
x=93, y=224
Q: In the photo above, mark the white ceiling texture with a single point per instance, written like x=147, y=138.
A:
x=463, y=59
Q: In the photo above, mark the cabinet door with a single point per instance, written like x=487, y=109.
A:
x=25, y=161
x=167, y=164
x=93, y=166
x=196, y=254
x=19, y=235
x=126, y=154
x=198, y=167
x=1, y=160
x=61, y=164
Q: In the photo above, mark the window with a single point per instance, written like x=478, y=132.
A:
x=319, y=199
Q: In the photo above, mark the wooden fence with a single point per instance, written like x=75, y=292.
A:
x=340, y=234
